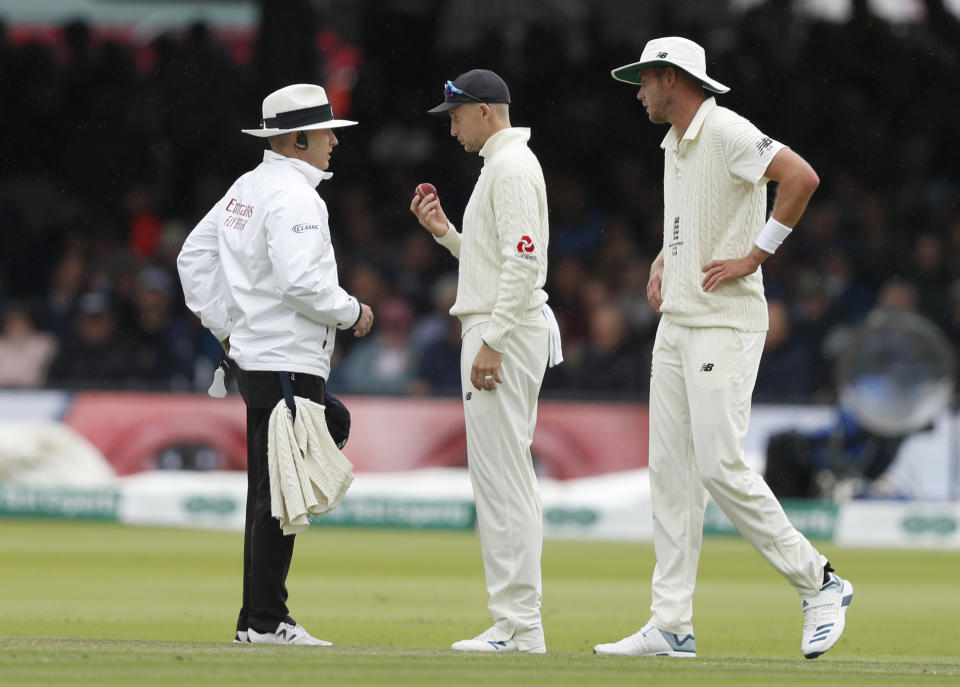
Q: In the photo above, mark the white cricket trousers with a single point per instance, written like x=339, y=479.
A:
x=700, y=390
x=500, y=428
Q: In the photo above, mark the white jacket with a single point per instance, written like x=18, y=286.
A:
x=260, y=269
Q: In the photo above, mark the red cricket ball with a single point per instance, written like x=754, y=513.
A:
x=425, y=189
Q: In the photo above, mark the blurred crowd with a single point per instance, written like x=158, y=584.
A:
x=115, y=149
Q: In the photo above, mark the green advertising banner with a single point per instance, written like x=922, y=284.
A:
x=58, y=502
x=406, y=513
x=816, y=520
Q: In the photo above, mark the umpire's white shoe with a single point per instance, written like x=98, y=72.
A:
x=487, y=642
x=285, y=634
x=650, y=641
x=825, y=616
x=242, y=637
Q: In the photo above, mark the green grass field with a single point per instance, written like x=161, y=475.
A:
x=103, y=604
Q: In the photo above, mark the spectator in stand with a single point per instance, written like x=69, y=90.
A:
x=953, y=241
x=899, y=294
x=567, y=277
x=384, y=363
x=848, y=294
x=25, y=352
x=368, y=283
x=436, y=342
x=68, y=282
x=417, y=270
x=610, y=362
x=432, y=327
x=577, y=227
x=438, y=365
x=145, y=228
x=640, y=318
x=93, y=356
x=930, y=276
x=786, y=365
x=952, y=325
x=163, y=342
x=813, y=320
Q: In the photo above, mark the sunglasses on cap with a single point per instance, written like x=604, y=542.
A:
x=449, y=90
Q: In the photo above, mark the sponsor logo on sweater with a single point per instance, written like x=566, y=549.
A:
x=525, y=247
x=300, y=228
x=675, y=241
x=764, y=144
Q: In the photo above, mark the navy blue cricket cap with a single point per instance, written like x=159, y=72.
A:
x=475, y=86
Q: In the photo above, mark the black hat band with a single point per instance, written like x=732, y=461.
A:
x=296, y=118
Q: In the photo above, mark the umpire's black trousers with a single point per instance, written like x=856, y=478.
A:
x=266, y=550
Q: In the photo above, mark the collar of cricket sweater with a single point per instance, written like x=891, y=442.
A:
x=673, y=140
x=313, y=175
x=505, y=138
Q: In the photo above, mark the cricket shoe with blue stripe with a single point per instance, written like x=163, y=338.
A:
x=651, y=641
x=490, y=641
x=825, y=616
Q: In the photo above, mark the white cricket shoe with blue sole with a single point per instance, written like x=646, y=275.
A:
x=651, y=641
x=488, y=642
x=825, y=616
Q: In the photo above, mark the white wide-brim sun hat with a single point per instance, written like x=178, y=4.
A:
x=300, y=107
x=672, y=51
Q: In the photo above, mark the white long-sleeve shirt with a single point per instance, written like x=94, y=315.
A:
x=503, y=247
x=260, y=269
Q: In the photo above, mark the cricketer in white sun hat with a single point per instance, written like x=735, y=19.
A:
x=671, y=51
x=300, y=107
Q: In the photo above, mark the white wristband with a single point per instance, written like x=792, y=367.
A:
x=772, y=236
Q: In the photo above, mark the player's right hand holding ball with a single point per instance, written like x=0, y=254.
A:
x=426, y=207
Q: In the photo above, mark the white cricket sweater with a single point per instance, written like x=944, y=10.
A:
x=503, y=247
x=715, y=204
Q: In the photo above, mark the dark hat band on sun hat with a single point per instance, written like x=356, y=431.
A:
x=295, y=118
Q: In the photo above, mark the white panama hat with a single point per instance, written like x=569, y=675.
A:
x=675, y=52
x=300, y=107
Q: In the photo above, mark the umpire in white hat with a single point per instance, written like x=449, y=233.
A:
x=707, y=285
x=260, y=272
